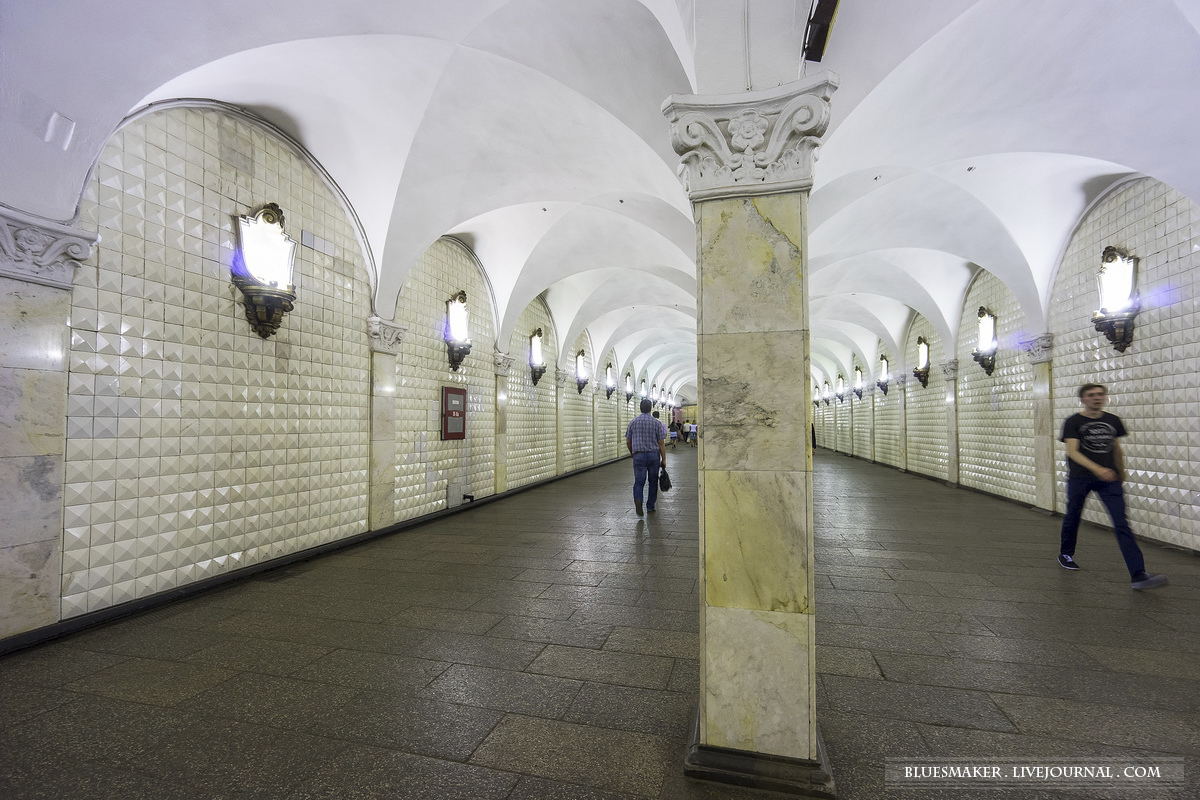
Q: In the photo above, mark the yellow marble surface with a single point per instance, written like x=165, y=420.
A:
x=760, y=560
x=758, y=682
x=751, y=275
x=755, y=412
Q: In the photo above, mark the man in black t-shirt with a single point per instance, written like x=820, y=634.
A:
x=1095, y=464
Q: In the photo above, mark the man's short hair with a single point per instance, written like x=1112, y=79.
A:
x=1087, y=387
x=656, y=415
x=646, y=404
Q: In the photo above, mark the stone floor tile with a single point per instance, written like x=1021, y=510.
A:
x=626, y=669
x=53, y=665
x=144, y=680
x=381, y=672
x=543, y=607
x=569, y=632
x=611, y=760
x=484, y=651
x=371, y=773
x=654, y=642
x=474, y=620
x=847, y=661
x=529, y=788
x=935, y=705
x=1119, y=725
x=271, y=700
x=504, y=690
x=664, y=713
x=258, y=655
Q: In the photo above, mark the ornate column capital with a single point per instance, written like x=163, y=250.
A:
x=750, y=143
x=1039, y=349
x=950, y=369
x=901, y=379
x=385, y=336
x=562, y=376
x=42, y=252
x=503, y=363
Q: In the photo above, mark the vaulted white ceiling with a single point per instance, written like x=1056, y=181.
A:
x=966, y=135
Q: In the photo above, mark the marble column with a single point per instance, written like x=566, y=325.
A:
x=562, y=379
x=950, y=370
x=901, y=382
x=747, y=165
x=38, y=265
x=1040, y=352
x=385, y=338
x=503, y=364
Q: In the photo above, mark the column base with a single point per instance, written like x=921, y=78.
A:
x=794, y=776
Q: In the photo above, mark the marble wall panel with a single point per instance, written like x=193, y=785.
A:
x=752, y=279
x=758, y=682
x=760, y=559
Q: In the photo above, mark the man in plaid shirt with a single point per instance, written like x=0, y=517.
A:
x=645, y=440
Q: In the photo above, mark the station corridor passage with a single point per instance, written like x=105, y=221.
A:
x=543, y=647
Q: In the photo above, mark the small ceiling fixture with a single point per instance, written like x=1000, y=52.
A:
x=1119, y=303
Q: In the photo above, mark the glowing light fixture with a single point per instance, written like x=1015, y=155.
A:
x=643, y=388
x=921, y=371
x=610, y=381
x=457, y=334
x=628, y=387
x=884, y=375
x=858, y=387
x=581, y=373
x=826, y=394
x=986, y=344
x=841, y=388
x=1119, y=303
x=537, y=361
x=262, y=269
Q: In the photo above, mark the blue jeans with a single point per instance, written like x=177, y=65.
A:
x=1112, y=495
x=643, y=464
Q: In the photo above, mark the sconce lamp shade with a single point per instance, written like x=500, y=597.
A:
x=581, y=374
x=858, y=384
x=262, y=269
x=1119, y=303
x=537, y=361
x=884, y=375
x=628, y=387
x=610, y=384
x=458, y=342
x=921, y=372
x=841, y=389
x=986, y=345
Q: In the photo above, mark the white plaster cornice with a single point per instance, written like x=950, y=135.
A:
x=386, y=337
x=42, y=252
x=950, y=369
x=750, y=143
x=503, y=363
x=1039, y=349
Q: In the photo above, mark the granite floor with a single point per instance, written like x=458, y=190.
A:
x=544, y=647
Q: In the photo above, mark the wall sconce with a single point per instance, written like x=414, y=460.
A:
x=985, y=348
x=262, y=269
x=858, y=383
x=884, y=375
x=610, y=385
x=643, y=387
x=1119, y=303
x=537, y=361
x=921, y=372
x=841, y=388
x=458, y=342
x=628, y=387
x=581, y=376
x=826, y=394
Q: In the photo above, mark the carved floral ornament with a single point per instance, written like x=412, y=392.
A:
x=503, y=363
x=385, y=336
x=751, y=143
x=41, y=252
x=1040, y=349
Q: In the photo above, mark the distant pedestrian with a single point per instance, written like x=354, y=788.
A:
x=645, y=439
x=1095, y=463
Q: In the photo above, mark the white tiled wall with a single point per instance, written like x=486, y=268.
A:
x=432, y=474
x=531, y=414
x=609, y=433
x=194, y=446
x=578, y=415
x=887, y=420
x=926, y=407
x=995, y=413
x=843, y=421
x=1154, y=385
x=823, y=418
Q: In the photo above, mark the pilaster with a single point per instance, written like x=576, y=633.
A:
x=901, y=381
x=38, y=265
x=562, y=380
x=950, y=370
x=1040, y=352
x=503, y=365
x=747, y=164
x=386, y=338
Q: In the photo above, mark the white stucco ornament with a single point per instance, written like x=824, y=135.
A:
x=385, y=336
x=41, y=252
x=750, y=143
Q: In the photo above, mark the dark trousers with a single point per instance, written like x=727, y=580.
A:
x=1112, y=495
x=645, y=464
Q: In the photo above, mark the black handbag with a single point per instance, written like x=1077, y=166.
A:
x=664, y=481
